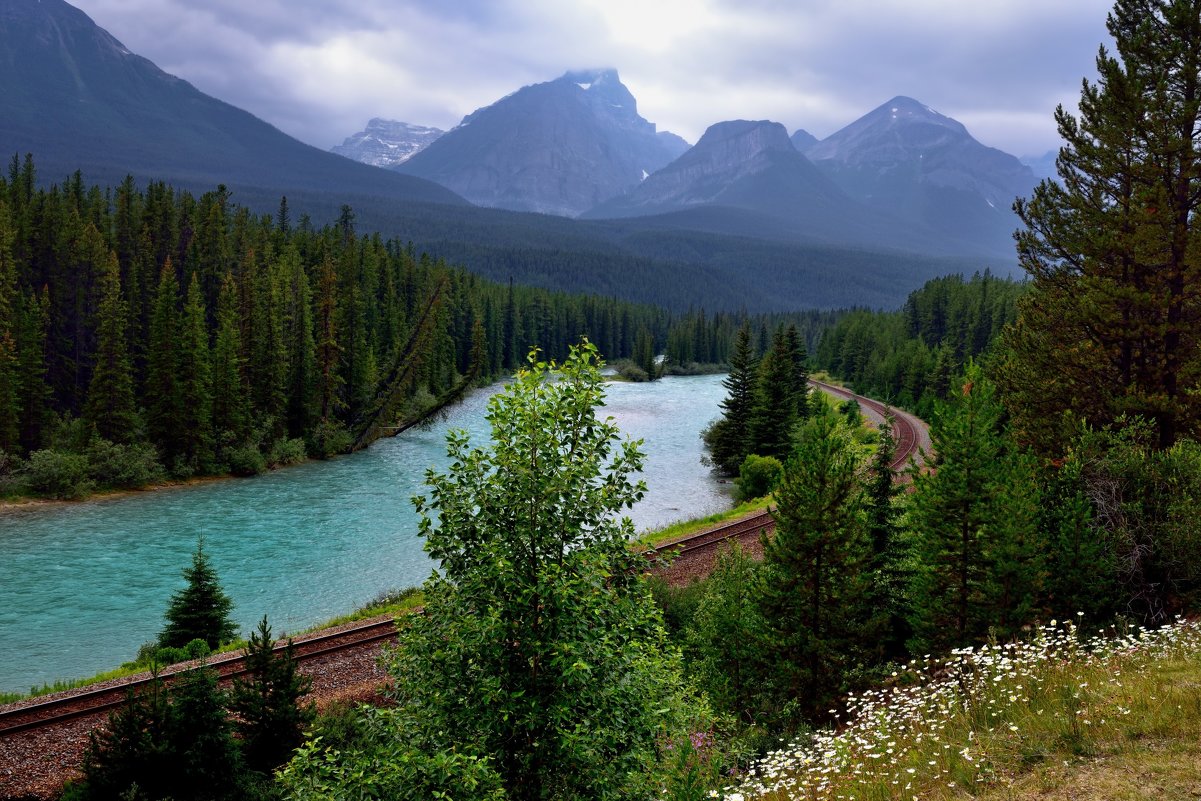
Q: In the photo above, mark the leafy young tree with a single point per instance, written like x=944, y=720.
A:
x=541, y=649
x=271, y=719
x=1110, y=324
x=199, y=611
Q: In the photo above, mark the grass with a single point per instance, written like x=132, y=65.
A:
x=686, y=527
x=1052, y=718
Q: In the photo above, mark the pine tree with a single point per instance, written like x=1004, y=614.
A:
x=110, y=407
x=729, y=439
x=328, y=378
x=298, y=327
x=230, y=411
x=35, y=400
x=974, y=526
x=888, y=552
x=798, y=358
x=812, y=592
x=271, y=720
x=775, y=409
x=194, y=372
x=1110, y=324
x=162, y=388
x=200, y=611
x=10, y=388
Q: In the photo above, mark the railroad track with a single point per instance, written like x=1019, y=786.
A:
x=61, y=709
x=56, y=710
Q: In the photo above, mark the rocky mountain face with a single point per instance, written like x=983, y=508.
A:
x=77, y=99
x=802, y=140
x=909, y=160
x=753, y=167
x=559, y=147
x=386, y=143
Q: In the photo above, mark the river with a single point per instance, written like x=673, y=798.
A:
x=83, y=585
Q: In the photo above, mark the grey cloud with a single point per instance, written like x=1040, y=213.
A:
x=319, y=71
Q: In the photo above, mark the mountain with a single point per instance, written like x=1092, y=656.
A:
x=386, y=143
x=907, y=159
x=802, y=140
x=746, y=178
x=77, y=99
x=559, y=147
x=1043, y=166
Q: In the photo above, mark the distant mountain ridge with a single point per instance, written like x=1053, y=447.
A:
x=78, y=99
x=559, y=147
x=907, y=159
x=386, y=143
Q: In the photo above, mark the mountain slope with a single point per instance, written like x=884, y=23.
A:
x=386, y=143
x=909, y=160
x=558, y=147
x=78, y=99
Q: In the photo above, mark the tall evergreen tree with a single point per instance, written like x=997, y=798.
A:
x=230, y=412
x=271, y=719
x=194, y=370
x=199, y=611
x=813, y=582
x=10, y=388
x=973, y=524
x=774, y=413
x=31, y=366
x=889, y=555
x=729, y=439
x=328, y=377
x=1110, y=325
x=162, y=387
x=110, y=407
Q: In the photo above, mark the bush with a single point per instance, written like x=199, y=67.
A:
x=126, y=466
x=632, y=372
x=14, y=474
x=59, y=474
x=330, y=439
x=246, y=460
x=287, y=451
x=758, y=476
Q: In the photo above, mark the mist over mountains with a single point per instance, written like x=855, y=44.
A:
x=743, y=219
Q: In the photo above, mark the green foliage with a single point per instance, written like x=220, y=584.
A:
x=780, y=396
x=812, y=592
x=245, y=460
x=910, y=357
x=758, y=476
x=729, y=439
x=165, y=745
x=381, y=764
x=122, y=466
x=1108, y=329
x=287, y=452
x=59, y=474
x=270, y=718
x=541, y=659
x=724, y=634
x=973, y=524
x=200, y=610
x=329, y=439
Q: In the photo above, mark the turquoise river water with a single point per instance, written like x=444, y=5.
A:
x=83, y=585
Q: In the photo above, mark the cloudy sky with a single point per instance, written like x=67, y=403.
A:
x=319, y=70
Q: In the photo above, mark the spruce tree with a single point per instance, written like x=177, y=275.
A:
x=10, y=388
x=729, y=439
x=110, y=407
x=271, y=719
x=889, y=555
x=774, y=412
x=199, y=611
x=230, y=410
x=162, y=387
x=973, y=522
x=194, y=372
x=1109, y=326
x=31, y=366
x=812, y=593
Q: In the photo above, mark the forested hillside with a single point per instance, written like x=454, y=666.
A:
x=143, y=331
x=911, y=357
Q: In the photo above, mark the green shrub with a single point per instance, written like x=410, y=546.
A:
x=330, y=439
x=632, y=372
x=59, y=474
x=287, y=451
x=126, y=466
x=14, y=474
x=245, y=460
x=758, y=476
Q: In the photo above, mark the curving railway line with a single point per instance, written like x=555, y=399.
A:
x=691, y=556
